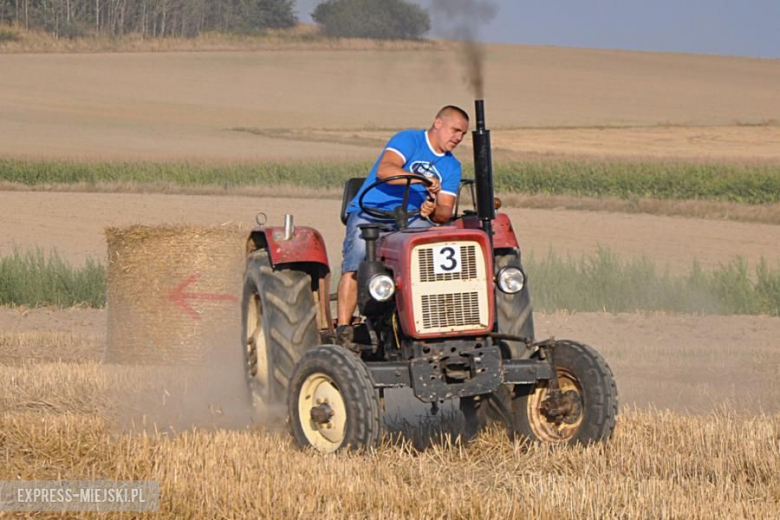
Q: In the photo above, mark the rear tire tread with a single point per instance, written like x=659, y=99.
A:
x=289, y=313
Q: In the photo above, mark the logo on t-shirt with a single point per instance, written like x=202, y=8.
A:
x=425, y=168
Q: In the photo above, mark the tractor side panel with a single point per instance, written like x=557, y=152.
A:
x=503, y=232
x=306, y=245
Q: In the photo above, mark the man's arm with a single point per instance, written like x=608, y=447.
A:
x=393, y=164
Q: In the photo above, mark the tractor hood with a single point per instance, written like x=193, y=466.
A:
x=444, y=280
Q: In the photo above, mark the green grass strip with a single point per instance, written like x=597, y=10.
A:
x=35, y=279
x=603, y=282
x=597, y=282
x=310, y=174
x=751, y=184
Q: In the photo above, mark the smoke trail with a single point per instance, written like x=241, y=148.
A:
x=462, y=19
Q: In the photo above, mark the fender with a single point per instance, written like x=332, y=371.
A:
x=306, y=245
x=503, y=232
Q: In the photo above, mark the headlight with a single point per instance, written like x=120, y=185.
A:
x=381, y=287
x=511, y=280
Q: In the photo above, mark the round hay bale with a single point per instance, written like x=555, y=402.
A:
x=173, y=293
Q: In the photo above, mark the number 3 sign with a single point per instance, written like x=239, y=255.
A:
x=446, y=259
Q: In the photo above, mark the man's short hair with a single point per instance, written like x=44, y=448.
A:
x=450, y=110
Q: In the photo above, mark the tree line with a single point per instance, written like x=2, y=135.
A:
x=149, y=18
x=382, y=19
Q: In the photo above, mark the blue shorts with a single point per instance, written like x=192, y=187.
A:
x=354, y=248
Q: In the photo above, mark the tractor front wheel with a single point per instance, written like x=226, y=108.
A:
x=584, y=409
x=332, y=403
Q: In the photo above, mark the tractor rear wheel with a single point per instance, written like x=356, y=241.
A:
x=515, y=316
x=279, y=325
x=587, y=408
x=332, y=403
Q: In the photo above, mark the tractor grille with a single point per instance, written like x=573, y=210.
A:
x=468, y=272
x=450, y=310
x=449, y=301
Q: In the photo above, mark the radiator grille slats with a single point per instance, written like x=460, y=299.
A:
x=468, y=269
x=450, y=310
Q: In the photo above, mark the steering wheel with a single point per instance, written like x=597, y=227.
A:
x=399, y=213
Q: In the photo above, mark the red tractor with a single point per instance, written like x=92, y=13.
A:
x=443, y=310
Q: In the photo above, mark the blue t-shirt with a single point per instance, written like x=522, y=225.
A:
x=419, y=157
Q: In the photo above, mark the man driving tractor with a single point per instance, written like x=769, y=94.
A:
x=427, y=153
x=444, y=311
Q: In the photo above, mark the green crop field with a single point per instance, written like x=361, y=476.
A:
x=752, y=184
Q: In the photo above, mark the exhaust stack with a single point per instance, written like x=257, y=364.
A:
x=483, y=178
x=483, y=171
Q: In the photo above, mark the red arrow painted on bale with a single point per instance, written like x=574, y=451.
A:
x=180, y=296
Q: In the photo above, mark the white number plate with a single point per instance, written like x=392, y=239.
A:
x=446, y=259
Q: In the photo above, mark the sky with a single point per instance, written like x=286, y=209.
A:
x=726, y=27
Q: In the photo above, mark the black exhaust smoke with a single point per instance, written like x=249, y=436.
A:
x=461, y=20
x=483, y=170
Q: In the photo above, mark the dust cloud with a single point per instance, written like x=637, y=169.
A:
x=212, y=394
x=461, y=20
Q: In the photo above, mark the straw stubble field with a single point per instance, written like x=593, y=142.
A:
x=699, y=431
x=67, y=415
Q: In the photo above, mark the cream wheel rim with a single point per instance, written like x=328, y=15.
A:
x=546, y=430
x=320, y=390
x=255, y=343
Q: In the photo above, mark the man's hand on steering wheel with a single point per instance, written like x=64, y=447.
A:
x=435, y=186
x=399, y=213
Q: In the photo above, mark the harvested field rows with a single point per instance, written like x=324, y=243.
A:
x=759, y=143
x=163, y=106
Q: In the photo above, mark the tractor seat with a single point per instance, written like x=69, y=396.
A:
x=350, y=190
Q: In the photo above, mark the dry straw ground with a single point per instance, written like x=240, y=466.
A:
x=84, y=419
x=659, y=465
